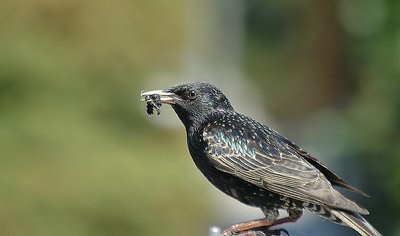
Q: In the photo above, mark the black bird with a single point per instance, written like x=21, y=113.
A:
x=256, y=165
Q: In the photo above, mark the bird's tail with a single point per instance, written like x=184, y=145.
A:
x=343, y=217
x=356, y=222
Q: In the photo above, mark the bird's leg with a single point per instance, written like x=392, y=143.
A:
x=245, y=226
x=293, y=216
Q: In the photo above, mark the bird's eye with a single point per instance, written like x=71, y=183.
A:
x=192, y=95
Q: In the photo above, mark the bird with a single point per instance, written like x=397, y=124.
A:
x=255, y=164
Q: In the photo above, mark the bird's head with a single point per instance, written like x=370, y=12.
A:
x=194, y=101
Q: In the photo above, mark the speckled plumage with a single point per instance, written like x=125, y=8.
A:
x=256, y=165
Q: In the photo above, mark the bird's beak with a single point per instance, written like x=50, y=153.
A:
x=165, y=96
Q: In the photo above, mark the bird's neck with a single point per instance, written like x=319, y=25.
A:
x=190, y=121
x=195, y=124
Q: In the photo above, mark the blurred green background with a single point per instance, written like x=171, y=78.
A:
x=79, y=156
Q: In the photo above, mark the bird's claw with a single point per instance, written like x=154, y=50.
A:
x=279, y=232
x=268, y=232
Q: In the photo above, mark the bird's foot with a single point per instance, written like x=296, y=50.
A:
x=274, y=232
x=246, y=226
x=265, y=232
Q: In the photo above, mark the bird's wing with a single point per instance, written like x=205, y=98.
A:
x=266, y=162
x=332, y=177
